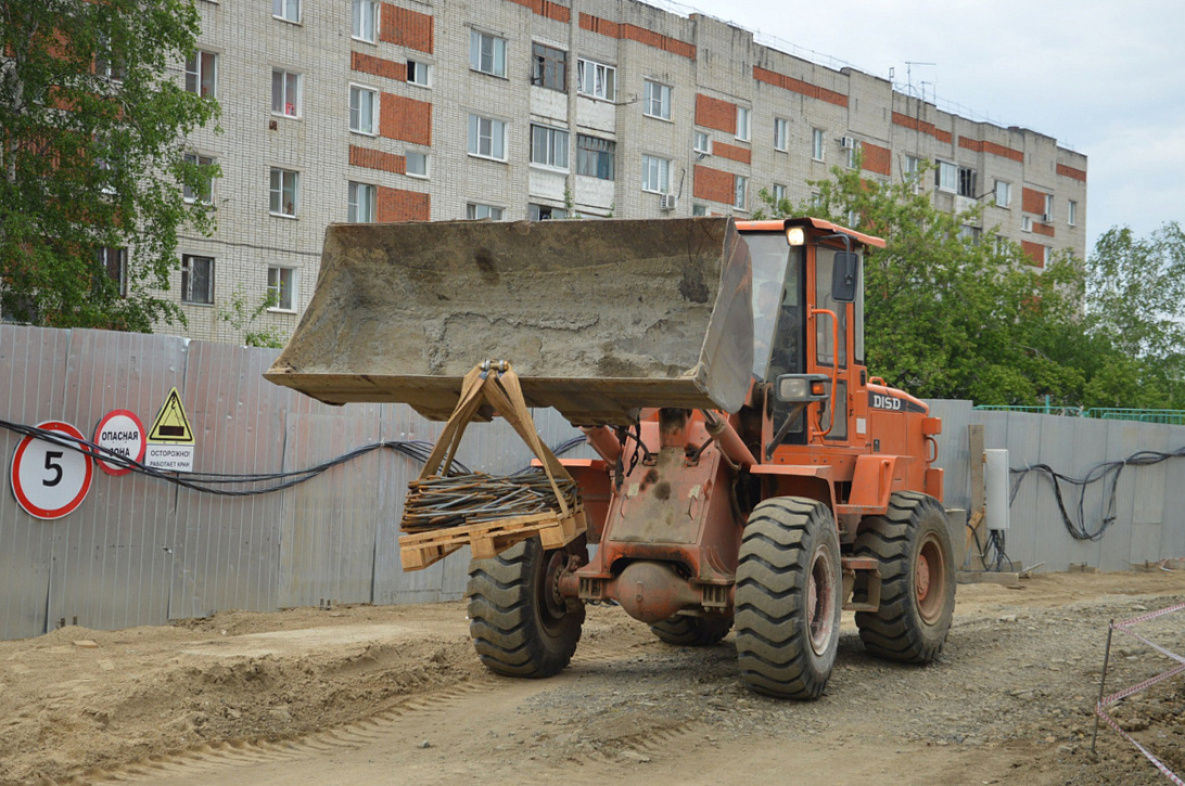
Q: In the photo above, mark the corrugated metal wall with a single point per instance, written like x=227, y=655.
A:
x=141, y=551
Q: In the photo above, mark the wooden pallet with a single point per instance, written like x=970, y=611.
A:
x=490, y=538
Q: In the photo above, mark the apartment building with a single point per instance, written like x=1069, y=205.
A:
x=369, y=110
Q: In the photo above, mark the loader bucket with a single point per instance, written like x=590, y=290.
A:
x=599, y=317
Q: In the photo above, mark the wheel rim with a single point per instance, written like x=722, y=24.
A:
x=552, y=606
x=820, y=602
x=930, y=579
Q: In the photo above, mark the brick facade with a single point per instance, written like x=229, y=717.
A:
x=405, y=118
x=877, y=159
x=397, y=205
x=404, y=27
x=714, y=113
x=377, y=66
x=714, y=185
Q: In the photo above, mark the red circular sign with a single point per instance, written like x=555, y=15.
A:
x=51, y=480
x=120, y=431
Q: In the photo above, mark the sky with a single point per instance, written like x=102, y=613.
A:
x=1106, y=78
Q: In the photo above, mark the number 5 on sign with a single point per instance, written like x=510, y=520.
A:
x=50, y=480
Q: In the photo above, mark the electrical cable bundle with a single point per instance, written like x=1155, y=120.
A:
x=1106, y=472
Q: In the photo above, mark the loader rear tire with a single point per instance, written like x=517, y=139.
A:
x=683, y=631
x=788, y=598
x=520, y=625
x=917, y=579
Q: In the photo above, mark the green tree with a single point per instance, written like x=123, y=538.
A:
x=92, y=125
x=951, y=312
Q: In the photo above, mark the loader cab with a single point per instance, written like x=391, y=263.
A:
x=802, y=322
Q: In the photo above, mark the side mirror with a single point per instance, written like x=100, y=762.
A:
x=802, y=388
x=843, y=276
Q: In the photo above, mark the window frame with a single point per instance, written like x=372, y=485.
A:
x=353, y=190
x=706, y=138
x=662, y=101
x=187, y=275
x=356, y=111
x=1047, y=213
x=415, y=67
x=599, y=154
x=744, y=132
x=196, y=72
x=427, y=157
x=1007, y=194
x=1072, y=212
x=649, y=161
x=284, y=6
x=780, y=192
x=740, y=192
x=781, y=134
x=187, y=195
x=943, y=171
x=497, y=53
x=280, y=289
x=588, y=70
x=818, y=146
x=273, y=191
x=358, y=20
x=298, y=105
x=120, y=254
x=543, y=63
x=1026, y=223
x=553, y=149
x=967, y=182
x=473, y=208
x=476, y=137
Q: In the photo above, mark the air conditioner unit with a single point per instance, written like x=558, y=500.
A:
x=668, y=202
x=846, y=142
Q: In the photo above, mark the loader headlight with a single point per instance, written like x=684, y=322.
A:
x=795, y=236
x=792, y=388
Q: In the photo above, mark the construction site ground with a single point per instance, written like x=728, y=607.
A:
x=364, y=694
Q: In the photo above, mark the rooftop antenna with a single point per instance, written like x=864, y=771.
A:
x=909, y=64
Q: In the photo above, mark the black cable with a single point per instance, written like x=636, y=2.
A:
x=208, y=482
x=1106, y=472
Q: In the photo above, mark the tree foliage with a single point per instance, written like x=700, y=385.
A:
x=92, y=124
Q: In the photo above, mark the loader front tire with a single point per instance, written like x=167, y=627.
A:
x=683, y=631
x=917, y=579
x=788, y=598
x=520, y=625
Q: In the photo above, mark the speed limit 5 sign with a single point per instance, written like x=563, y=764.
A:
x=51, y=480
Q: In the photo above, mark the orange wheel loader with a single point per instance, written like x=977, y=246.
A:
x=751, y=475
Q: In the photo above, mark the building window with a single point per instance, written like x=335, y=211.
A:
x=699, y=210
x=779, y=194
x=853, y=152
x=549, y=147
x=781, y=133
x=1026, y=223
x=362, y=106
x=197, y=280
x=1072, y=213
x=595, y=157
x=1048, y=208
x=487, y=138
x=487, y=53
x=476, y=211
x=366, y=19
x=280, y=287
x=284, y=193
x=549, y=67
x=362, y=204
x=205, y=191
x=913, y=173
x=417, y=163
x=703, y=143
x=967, y=182
x=816, y=199
x=817, y=144
x=288, y=10
x=1003, y=193
x=596, y=79
x=108, y=64
x=656, y=101
x=115, y=262
x=201, y=74
x=946, y=177
x=740, y=186
x=285, y=93
x=656, y=175
x=744, y=120
x=419, y=74
x=543, y=212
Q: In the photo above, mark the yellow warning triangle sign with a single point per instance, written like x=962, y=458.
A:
x=171, y=424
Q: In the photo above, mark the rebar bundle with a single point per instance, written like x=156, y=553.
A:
x=438, y=502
